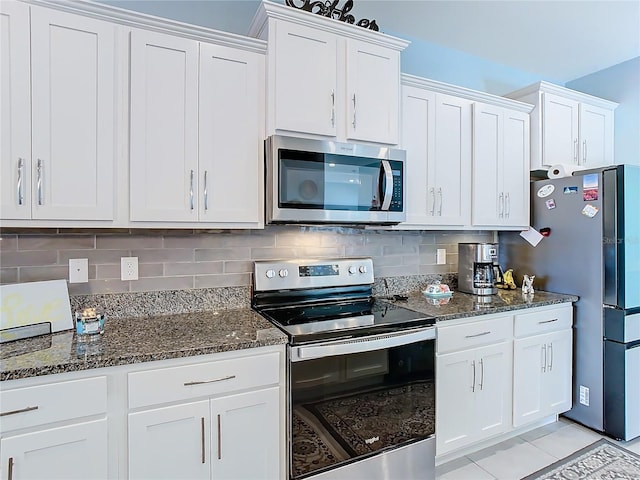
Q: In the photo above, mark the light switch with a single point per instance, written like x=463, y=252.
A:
x=441, y=256
x=78, y=270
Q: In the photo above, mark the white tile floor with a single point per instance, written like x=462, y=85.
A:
x=525, y=454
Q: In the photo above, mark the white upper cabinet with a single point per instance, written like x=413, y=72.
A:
x=196, y=123
x=328, y=79
x=62, y=166
x=445, y=185
x=568, y=127
x=500, y=167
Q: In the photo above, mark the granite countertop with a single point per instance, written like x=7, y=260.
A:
x=141, y=339
x=463, y=305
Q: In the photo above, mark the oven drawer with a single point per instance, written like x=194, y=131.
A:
x=54, y=402
x=163, y=385
x=474, y=333
x=542, y=321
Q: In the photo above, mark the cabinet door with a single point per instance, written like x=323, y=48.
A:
x=15, y=111
x=529, y=365
x=76, y=451
x=493, y=390
x=514, y=172
x=171, y=442
x=596, y=136
x=304, y=80
x=557, y=391
x=559, y=130
x=455, y=391
x=452, y=162
x=246, y=436
x=73, y=98
x=488, y=205
x=418, y=139
x=373, y=92
x=164, y=130
x=230, y=142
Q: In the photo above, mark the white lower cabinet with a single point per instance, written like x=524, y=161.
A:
x=473, y=392
x=227, y=424
x=77, y=451
x=56, y=430
x=542, y=366
x=207, y=439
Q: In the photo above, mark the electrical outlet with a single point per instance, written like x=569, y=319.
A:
x=441, y=256
x=129, y=268
x=78, y=270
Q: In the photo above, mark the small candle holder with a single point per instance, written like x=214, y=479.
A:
x=89, y=325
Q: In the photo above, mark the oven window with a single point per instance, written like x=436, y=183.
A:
x=328, y=181
x=351, y=406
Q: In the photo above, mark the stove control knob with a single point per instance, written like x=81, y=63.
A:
x=351, y=270
x=271, y=273
x=363, y=269
x=283, y=273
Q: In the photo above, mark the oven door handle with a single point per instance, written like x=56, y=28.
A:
x=363, y=344
x=387, y=194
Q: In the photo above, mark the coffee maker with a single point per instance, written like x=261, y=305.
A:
x=476, y=268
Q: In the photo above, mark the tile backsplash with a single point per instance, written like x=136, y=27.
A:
x=186, y=259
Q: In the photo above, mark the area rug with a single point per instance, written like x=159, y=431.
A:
x=601, y=460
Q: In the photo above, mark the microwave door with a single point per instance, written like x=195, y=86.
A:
x=386, y=185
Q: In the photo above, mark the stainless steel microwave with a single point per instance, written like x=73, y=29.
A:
x=317, y=181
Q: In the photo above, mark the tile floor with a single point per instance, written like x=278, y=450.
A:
x=520, y=456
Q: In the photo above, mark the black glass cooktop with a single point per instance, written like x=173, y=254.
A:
x=337, y=320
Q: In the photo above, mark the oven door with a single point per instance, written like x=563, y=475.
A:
x=364, y=407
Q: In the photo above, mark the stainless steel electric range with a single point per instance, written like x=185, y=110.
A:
x=360, y=376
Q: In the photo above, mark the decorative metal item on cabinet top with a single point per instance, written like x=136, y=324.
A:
x=330, y=9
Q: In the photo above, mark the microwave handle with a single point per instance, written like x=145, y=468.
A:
x=387, y=195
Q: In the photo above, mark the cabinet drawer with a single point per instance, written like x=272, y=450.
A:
x=202, y=379
x=474, y=333
x=543, y=321
x=54, y=402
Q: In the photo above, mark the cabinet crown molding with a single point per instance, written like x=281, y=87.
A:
x=129, y=18
x=268, y=10
x=543, y=86
x=462, y=92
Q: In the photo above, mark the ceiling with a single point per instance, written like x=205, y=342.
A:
x=557, y=39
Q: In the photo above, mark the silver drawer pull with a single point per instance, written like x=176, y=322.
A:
x=22, y=410
x=478, y=335
x=188, y=384
x=548, y=321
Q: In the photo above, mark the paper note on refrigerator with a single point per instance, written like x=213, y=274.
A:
x=532, y=236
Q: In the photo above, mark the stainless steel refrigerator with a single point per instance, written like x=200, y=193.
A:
x=591, y=248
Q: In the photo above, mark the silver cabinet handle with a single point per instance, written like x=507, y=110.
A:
x=473, y=385
x=481, y=373
x=550, y=349
x=544, y=358
x=10, y=469
x=206, y=193
x=39, y=183
x=191, y=205
x=354, y=111
x=507, y=203
x=202, y=450
x=575, y=152
x=501, y=205
x=188, y=384
x=433, y=201
x=584, y=152
x=22, y=410
x=548, y=321
x=20, y=193
x=440, y=208
x=333, y=108
x=219, y=439
x=478, y=334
